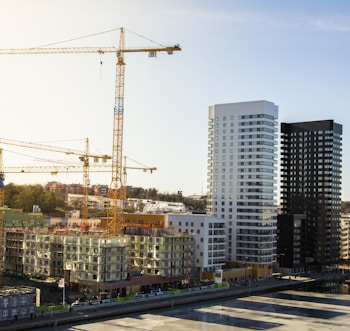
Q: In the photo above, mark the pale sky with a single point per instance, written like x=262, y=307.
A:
x=294, y=53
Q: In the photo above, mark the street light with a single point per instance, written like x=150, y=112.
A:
x=281, y=262
x=245, y=270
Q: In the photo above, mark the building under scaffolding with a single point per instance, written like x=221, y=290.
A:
x=96, y=263
x=77, y=257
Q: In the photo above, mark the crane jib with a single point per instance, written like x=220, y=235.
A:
x=72, y=50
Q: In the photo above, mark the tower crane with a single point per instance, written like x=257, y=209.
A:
x=116, y=210
x=83, y=156
x=54, y=170
x=2, y=211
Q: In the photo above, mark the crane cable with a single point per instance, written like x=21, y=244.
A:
x=77, y=38
x=96, y=34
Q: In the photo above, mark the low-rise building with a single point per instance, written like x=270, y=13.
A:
x=18, y=302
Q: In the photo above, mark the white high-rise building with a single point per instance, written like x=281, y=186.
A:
x=242, y=178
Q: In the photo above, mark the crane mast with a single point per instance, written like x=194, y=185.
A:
x=86, y=181
x=115, y=211
x=2, y=211
x=116, y=195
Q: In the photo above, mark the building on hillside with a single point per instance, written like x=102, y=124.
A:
x=100, y=190
x=161, y=207
x=56, y=187
x=101, y=203
x=311, y=185
x=197, y=197
x=94, y=201
x=209, y=240
x=242, y=173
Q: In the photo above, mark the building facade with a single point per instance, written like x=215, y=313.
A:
x=96, y=264
x=209, y=240
x=291, y=243
x=311, y=185
x=242, y=172
x=163, y=252
x=18, y=302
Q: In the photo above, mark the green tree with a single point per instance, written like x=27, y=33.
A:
x=11, y=193
x=25, y=196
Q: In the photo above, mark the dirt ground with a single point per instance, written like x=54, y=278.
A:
x=50, y=293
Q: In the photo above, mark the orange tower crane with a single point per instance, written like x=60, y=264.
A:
x=83, y=156
x=116, y=194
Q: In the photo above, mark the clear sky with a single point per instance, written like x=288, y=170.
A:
x=294, y=53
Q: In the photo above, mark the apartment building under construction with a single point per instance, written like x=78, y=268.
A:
x=97, y=263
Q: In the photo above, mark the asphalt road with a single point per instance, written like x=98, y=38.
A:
x=152, y=303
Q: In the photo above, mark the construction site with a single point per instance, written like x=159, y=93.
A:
x=122, y=254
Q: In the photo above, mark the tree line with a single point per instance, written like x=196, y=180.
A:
x=26, y=196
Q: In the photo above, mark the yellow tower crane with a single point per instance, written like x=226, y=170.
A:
x=116, y=194
x=54, y=170
x=83, y=157
x=2, y=211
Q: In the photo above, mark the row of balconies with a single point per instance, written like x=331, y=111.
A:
x=93, y=259
x=13, y=243
x=164, y=250
x=160, y=257
x=14, y=259
x=148, y=265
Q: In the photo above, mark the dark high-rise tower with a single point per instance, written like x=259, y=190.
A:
x=311, y=186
